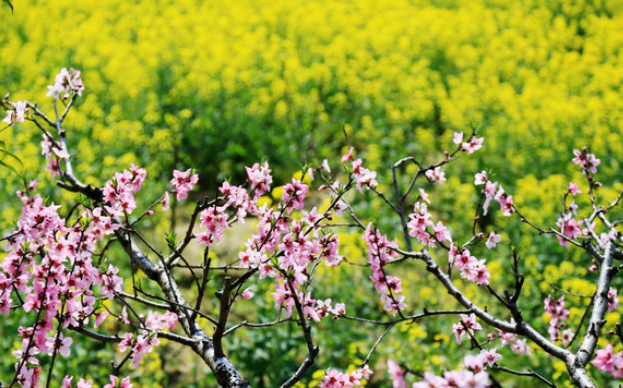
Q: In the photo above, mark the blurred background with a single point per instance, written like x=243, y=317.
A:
x=219, y=85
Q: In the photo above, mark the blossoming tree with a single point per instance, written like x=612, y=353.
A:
x=53, y=270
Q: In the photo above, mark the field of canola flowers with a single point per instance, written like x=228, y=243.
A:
x=220, y=85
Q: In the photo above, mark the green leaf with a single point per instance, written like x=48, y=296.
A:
x=170, y=238
x=8, y=153
x=8, y=166
x=10, y=4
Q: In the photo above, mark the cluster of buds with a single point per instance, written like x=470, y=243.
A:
x=379, y=253
x=559, y=315
x=363, y=176
x=335, y=379
x=67, y=82
x=143, y=344
x=473, y=373
x=587, y=161
x=16, y=113
x=505, y=200
x=183, y=182
x=467, y=324
x=518, y=346
x=119, y=192
x=420, y=221
x=156, y=321
x=471, y=268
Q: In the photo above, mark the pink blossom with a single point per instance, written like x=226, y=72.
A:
x=606, y=360
x=32, y=351
x=114, y=382
x=396, y=374
x=469, y=323
x=520, y=347
x=155, y=321
x=574, y=189
x=323, y=308
x=183, y=182
x=54, y=167
x=28, y=377
x=476, y=271
x=67, y=381
x=85, y=384
x=325, y=166
x=441, y=232
x=366, y=372
x=459, y=330
x=335, y=379
x=476, y=380
x=126, y=343
x=9, y=118
x=475, y=363
x=310, y=217
x=453, y=379
x=559, y=315
x=607, y=237
x=99, y=318
x=169, y=320
x=586, y=160
x=493, y=240
x=144, y=344
x=566, y=337
x=294, y=194
x=339, y=207
x=490, y=356
x=489, y=192
x=505, y=337
x=506, y=204
x=436, y=175
x=166, y=199
x=613, y=300
x=432, y=381
x=462, y=259
x=458, y=138
x=473, y=145
x=423, y=195
x=419, y=219
x=247, y=294
x=569, y=227
x=394, y=304
x=67, y=82
x=579, y=157
x=363, y=176
x=332, y=379
x=215, y=220
x=339, y=310
x=17, y=115
x=59, y=344
x=348, y=156
x=481, y=178
x=54, y=91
